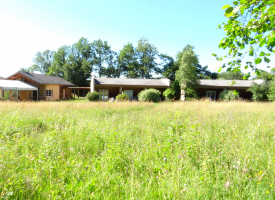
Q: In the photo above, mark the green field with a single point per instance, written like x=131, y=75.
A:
x=133, y=150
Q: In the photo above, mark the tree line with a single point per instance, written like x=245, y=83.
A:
x=76, y=62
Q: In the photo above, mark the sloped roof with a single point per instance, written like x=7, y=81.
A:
x=44, y=79
x=132, y=81
x=15, y=85
x=2, y=78
x=228, y=83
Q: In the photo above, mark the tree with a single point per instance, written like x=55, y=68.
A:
x=260, y=91
x=60, y=59
x=146, y=53
x=169, y=67
x=43, y=61
x=187, y=74
x=100, y=53
x=78, y=66
x=265, y=75
x=114, y=69
x=250, y=27
x=128, y=60
x=231, y=76
x=204, y=73
x=176, y=90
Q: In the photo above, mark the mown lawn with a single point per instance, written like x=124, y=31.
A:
x=133, y=150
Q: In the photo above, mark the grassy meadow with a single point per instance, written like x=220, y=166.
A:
x=133, y=150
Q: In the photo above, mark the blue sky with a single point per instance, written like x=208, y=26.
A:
x=30, y=26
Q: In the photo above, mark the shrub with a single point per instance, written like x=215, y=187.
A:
x=122, y=97
x=149, y=95
x=168, y=94
x=260, y=91
x=92, y=96
x=271, y=95
x=191, y=93
x=176, y=90
x=229, y=95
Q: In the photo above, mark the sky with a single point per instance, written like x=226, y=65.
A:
x=30, y=26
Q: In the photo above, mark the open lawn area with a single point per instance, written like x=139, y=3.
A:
x=133, y=150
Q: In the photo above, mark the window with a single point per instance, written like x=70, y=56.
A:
x=211, y=95
x=49, y=93
x=103, y=95
x=129, y=93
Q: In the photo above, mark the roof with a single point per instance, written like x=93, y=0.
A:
x=226, y=83
x=2, y=78
x=15, y=85
x=132, y=81
x=44, y=79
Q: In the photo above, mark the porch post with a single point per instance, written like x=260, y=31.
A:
x=78, y=93
x=74, y=93
x=27, y=94
x=120, y=90
x=17, y=95
x=37, y=95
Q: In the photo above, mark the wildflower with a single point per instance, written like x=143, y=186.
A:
x=267, y=192
x=164, y=159
x=179, y=157
x=184, y=185
x=157, y=177
x=226, y=185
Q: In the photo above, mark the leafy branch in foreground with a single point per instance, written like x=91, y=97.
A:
x=250, y=27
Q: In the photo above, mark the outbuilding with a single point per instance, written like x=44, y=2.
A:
x=16, y=88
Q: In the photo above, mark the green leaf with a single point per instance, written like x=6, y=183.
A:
x=235, y=3
x=251, y=52
x=258, y=61
x=213, y=54
x=225, y=6
x=258, y=36
x=262, y=42
x=229, y=12
x=243, y=1
x=262, y=53
x=268, y=54
x=220, y=70
x=267, y=60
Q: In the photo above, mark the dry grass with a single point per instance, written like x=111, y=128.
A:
x=191, y=150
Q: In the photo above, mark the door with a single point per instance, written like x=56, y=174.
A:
x=211, y=95
x=129, y=93
x=103, y=95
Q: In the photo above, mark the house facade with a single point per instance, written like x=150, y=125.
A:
x=212, y=88
x=48, y=87
x=111, y=87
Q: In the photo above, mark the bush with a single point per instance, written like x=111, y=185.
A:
x=168, y=94
x=191, y=93
x=271, y=95
x=92, y=96
x=176, y=90
x=260, y=91
x=149, y=95
x=229, y=95
x=122, y=97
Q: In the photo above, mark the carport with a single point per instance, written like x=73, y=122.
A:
x=17, y=86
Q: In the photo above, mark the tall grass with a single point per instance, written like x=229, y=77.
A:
x=188, y=150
